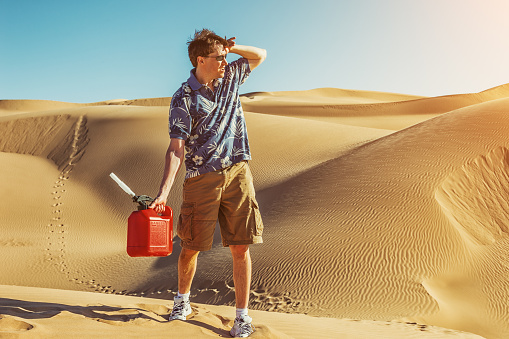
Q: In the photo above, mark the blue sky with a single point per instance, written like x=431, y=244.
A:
x=87, y=51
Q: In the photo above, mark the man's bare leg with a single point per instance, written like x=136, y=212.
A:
x=186, y=269
x=241, y=274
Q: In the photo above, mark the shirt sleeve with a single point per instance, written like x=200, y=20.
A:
x=241, y=70
x=179, y=124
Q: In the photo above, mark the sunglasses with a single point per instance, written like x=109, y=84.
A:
x=218, y=58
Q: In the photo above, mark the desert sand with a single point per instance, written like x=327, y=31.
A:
x=385, y=217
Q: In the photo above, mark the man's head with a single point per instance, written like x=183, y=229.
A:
x=205, y=43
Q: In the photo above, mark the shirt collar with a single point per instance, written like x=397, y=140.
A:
x=195, y=84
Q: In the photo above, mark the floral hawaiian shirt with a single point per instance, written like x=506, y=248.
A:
x=211, y=122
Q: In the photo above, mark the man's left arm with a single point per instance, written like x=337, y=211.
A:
x=254, y=55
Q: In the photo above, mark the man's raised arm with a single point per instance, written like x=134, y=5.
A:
x=254, y=55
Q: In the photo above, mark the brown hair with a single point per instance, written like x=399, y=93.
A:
x=204, y=43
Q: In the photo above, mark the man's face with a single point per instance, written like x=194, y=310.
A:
x=214, y=67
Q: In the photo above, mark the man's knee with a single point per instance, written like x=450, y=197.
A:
x=239, y=251
x=187, y=255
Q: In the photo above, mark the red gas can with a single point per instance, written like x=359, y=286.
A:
x=150, y=234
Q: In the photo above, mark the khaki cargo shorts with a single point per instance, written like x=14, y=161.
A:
x=227, y=195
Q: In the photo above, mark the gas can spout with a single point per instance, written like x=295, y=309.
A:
x=143, y=201
x=122, y=185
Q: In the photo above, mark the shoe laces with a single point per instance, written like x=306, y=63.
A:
x=178, y=308
x=244, y=326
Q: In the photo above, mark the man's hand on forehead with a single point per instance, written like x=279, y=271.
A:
x=231, y=43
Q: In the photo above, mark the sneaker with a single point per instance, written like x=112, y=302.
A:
x=181, y=309
x=242, y=327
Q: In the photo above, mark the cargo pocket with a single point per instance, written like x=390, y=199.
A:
x=185, y=222
x=258, y=218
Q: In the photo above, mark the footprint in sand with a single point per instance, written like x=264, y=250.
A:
x=66, y=157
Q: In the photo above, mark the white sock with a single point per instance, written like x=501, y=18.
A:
x=241, y=312
x=185, y=296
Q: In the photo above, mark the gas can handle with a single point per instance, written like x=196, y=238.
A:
x=167, y=211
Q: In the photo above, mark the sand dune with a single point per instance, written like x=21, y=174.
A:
x=380, y=110
x=38, y=312
x=385, y=232
x=10, y=107
x=385, y=208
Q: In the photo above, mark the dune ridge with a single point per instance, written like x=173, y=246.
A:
x=71, y=149
x=385, y=112
x=10, y=107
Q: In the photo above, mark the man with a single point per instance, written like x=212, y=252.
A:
x=206, y=120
